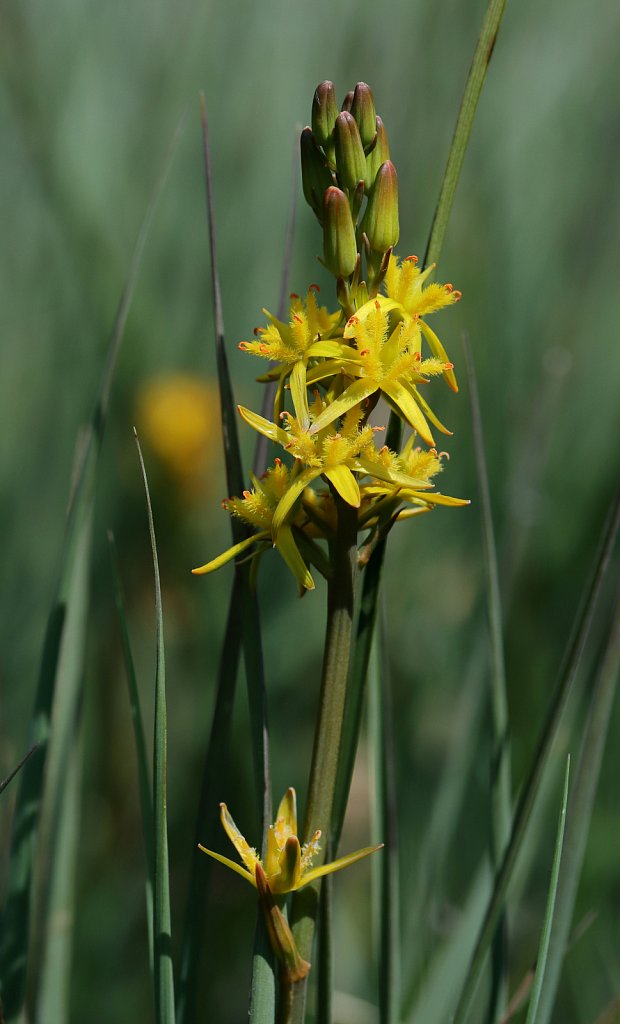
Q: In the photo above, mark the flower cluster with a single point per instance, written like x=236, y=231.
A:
x=332, y=367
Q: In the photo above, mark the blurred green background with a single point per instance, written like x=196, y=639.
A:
x=90, y=96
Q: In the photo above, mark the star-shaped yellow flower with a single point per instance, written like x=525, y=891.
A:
x=257, y=507
x=293, y=345
x=288, y=864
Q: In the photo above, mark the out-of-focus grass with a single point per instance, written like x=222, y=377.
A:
x=89, y=97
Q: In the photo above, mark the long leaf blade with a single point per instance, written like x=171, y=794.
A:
x=580, y=814
x=144, y=782
x=543, y=949
x=15, y=937
x=566, y=678
x=162, y=925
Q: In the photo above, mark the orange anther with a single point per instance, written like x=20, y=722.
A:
x=457, y=295
x=449, y=287
x=297, y=318
x=449, y=366
x=247, y=494
x=314, y=288
x=352, y=320
x=293, y=295
x=411, y=259
x=278, y=462
x=377, y=304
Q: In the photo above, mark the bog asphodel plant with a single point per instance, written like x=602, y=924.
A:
x=332, y=367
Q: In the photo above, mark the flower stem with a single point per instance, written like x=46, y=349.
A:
x=328, y=734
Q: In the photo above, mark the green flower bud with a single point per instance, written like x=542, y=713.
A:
x=350, y=159
x=339, y=247
x=348, y=101
x=380, y=222
x=324, y=114
x=378, y=154
x=363, y=110
x=315, y=174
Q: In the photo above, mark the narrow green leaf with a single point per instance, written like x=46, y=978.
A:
x=531, y=786
x=579, y=815
x=543, y=949
x=501, y=811
x=386, y=874
x=144, y=781
x=469, y=104
x=59, y=827
x=17, y=768
x=243, y=627
x=207, y=817
x=325, y=949
x=162, y=927
x=15, y=930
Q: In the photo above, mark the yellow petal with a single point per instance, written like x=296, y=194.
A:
x=249, y=877
x=354, y=394
x=345, y=483
x=285, y=543
x=231, y=553
x=337, y=865
x=438, y=350
x=288, y=809
x=290, y=496
x=266, y=427
x=408, y=408
x=241, y=845
x=289, y=872
x=299, y=394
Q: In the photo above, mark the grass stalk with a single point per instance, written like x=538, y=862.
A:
x=163, y=978
x=543, y=949
x=15, y=931
x=328, y=731
x=568, y=672
x=501, y=812
x=144, y=781
x=579, y=816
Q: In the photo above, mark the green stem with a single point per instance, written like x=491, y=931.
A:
x=328, y=734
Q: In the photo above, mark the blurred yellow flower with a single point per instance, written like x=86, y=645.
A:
x=178, y=416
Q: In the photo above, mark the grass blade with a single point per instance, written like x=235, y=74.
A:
x=580, y=814
x=144, y=781
x=207, y=818
x=59, y=826
x=469, y=103
x=15, y=932
x=162, y=927
x=235, y=481
x=17, y=768
x=386, y=869
x=568, y=672
x=501, y=813
x=543, y=949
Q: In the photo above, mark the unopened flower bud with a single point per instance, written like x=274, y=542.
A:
x=378, y=154
x=381, y=218
x=348, y=101
x=315, y=174
x=339, y=247
x=324, y=114
x=350, y=158
x=363, y=110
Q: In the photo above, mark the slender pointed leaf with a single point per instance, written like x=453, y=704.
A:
x=501, y=812
x=543, y=949
x=14, y=941
x=579, y=816
x=568, y=672
x=162, y=926
x=17, y=768
x=144, y=782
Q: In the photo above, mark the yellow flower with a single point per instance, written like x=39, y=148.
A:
x=330, y=453
x=388, y=361
x=179, y=417
x=414, y=464
x=257, y=507
x=288, y=864
x=405, y=286
x=293, y=345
